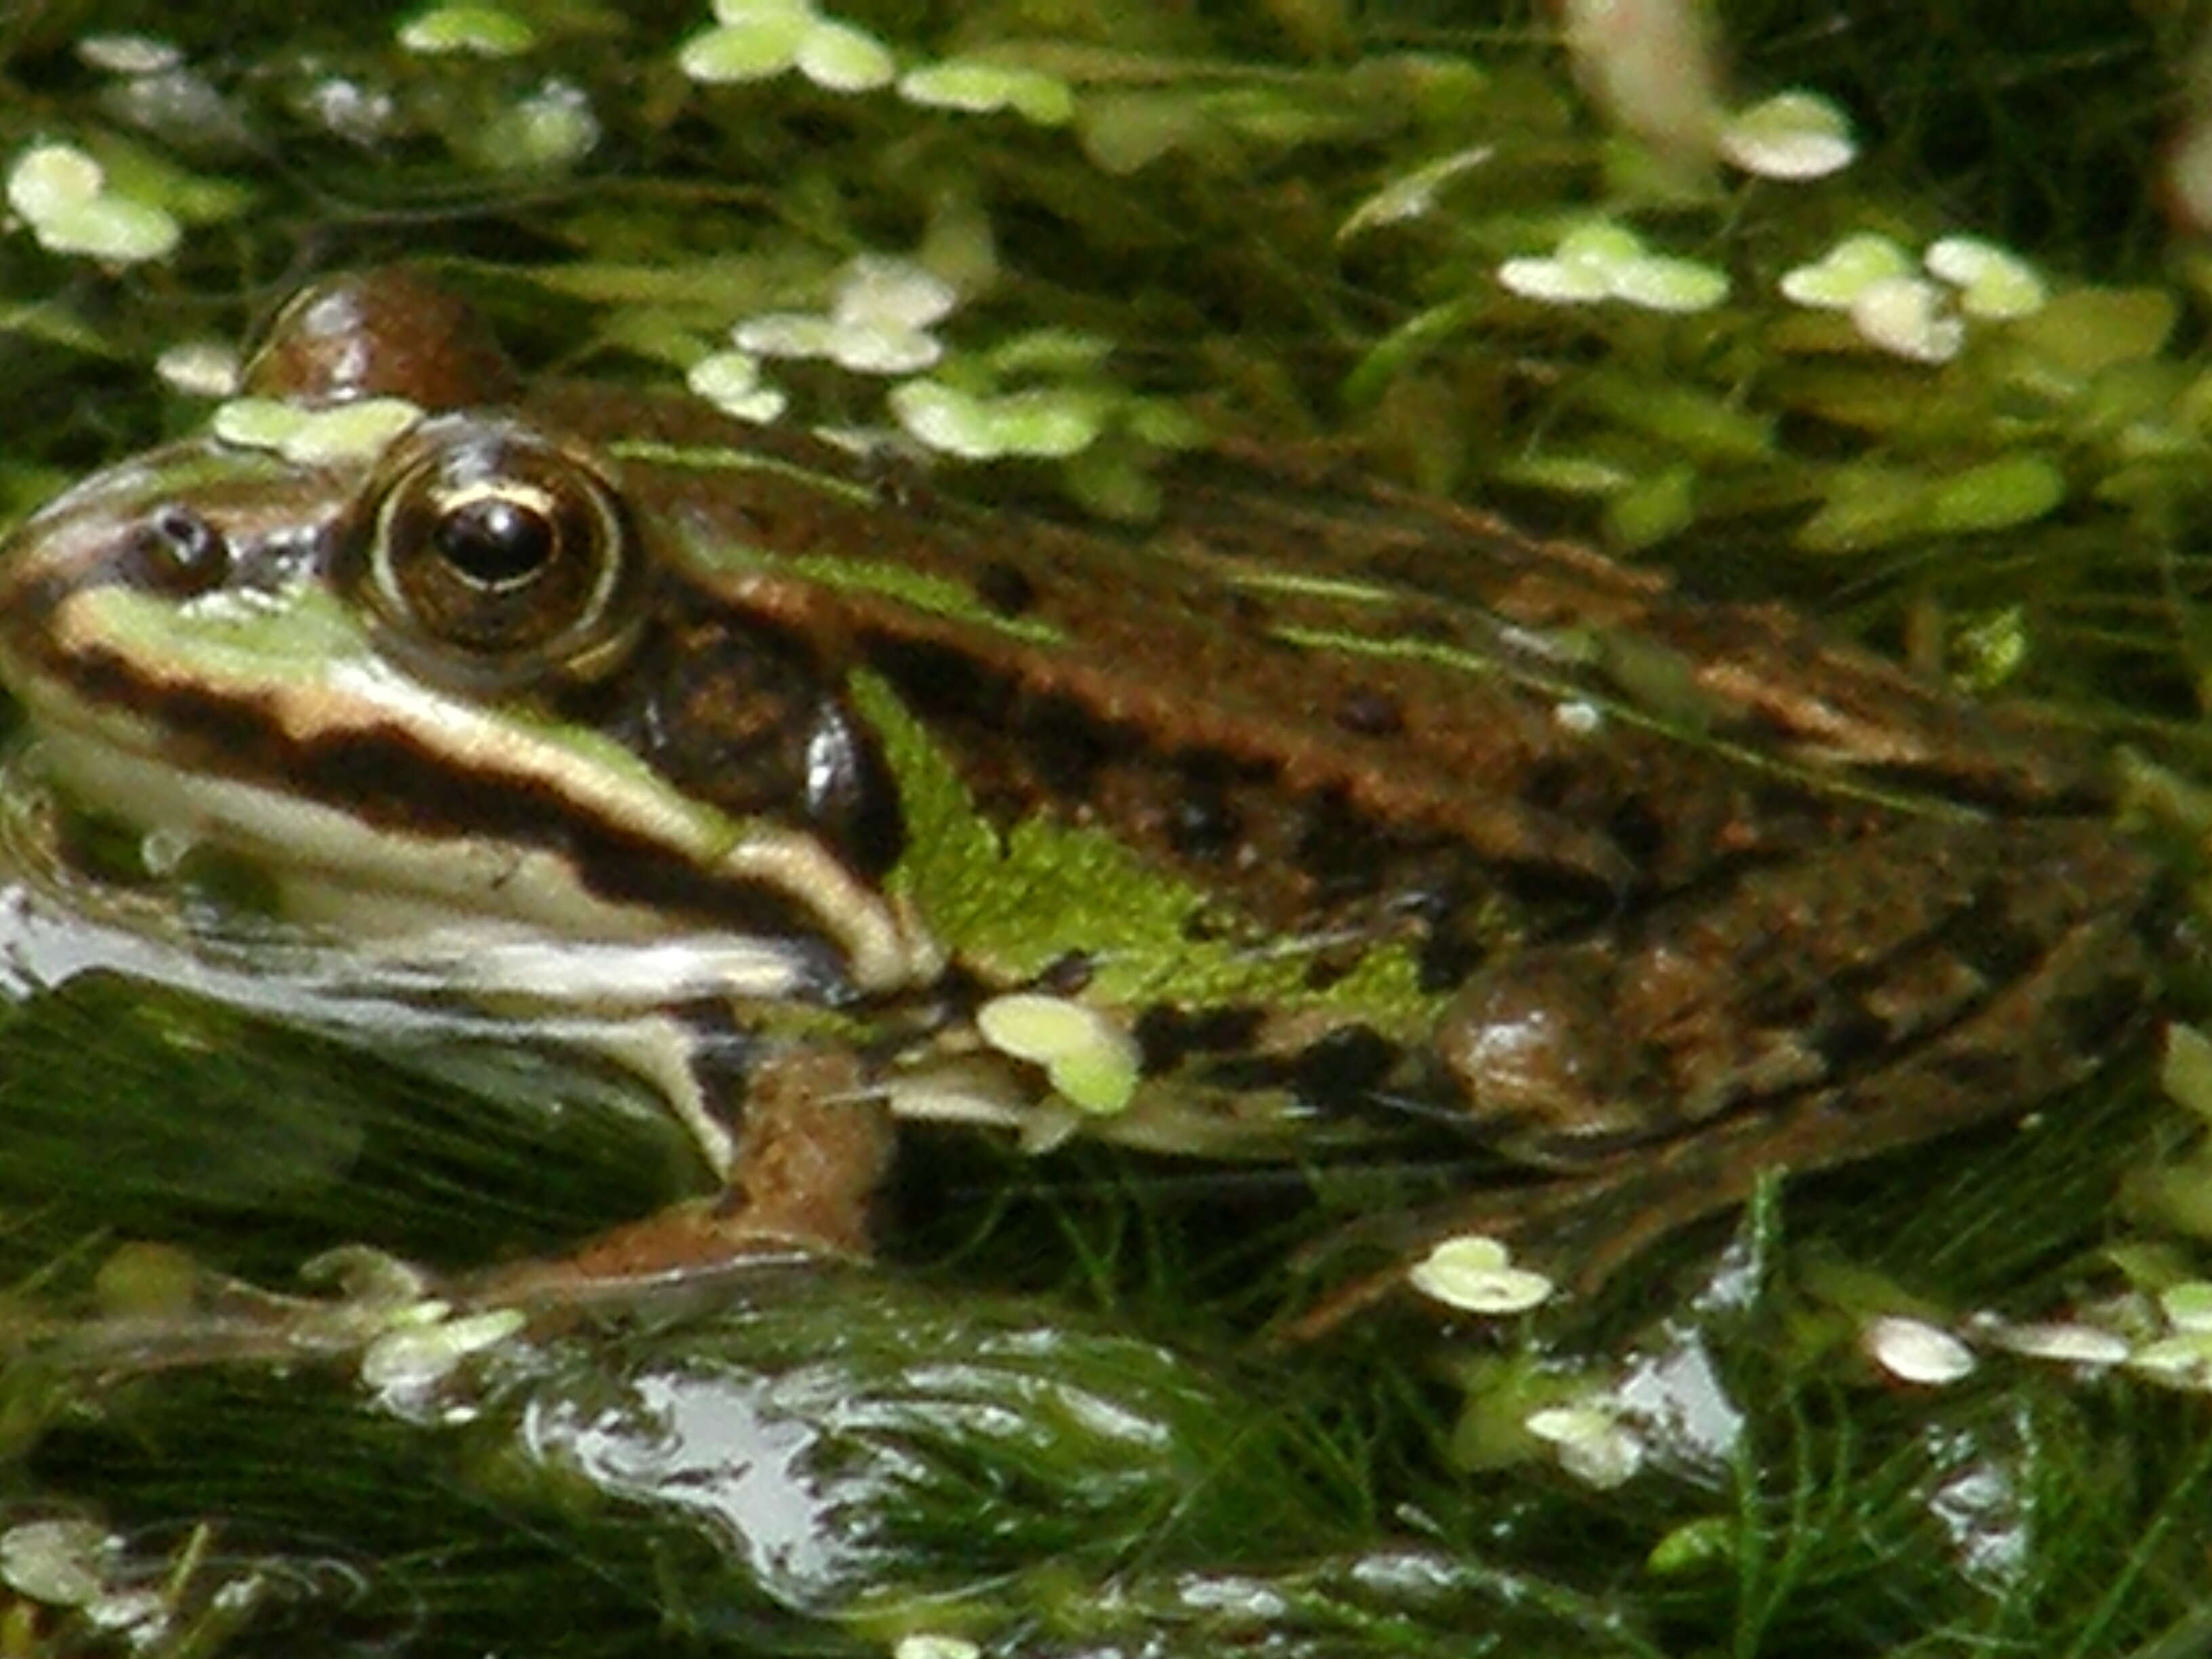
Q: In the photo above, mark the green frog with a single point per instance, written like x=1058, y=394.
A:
x=823, y=800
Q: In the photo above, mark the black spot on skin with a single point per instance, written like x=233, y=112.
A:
x=1067, y=974
x=1344, y=1065
x=1201, y=822
x=1204, y=928
x=1549, y=782
x=1993, y=945
x=1342, y=1072
x=1371, y=713
x=1448, y=957
x=1636, y=827
x=1322, y=972
x=1846, y=1039
x=1068, y=745
x=1247, y=610
x=2094, y=1018
x=1166, y=1037
x=1337, y=849
x=1424, y=625
x=1005, y=589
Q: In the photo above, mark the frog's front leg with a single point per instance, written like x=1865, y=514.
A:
x=799, y=1145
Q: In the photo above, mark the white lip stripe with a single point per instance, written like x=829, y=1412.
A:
x=883, y=946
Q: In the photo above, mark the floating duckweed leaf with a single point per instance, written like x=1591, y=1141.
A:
x=257, y=422
x=1794, y=135
x=881, y=313
x=1606, y=261
x=731, y=381
x=414, y=1356
x=1659, y=282
x=873, y=288
x=2012, y=490
x=1914, y=1350
x=1579, y=271
x=2070, y=1344
x=127, y=54
x=877, y=323
x=313, y=437
x=2187, y=1306
x=63, y=195
x=200, y=369
x=1045, y=422
x=1592, y=1445
x=63, y=1563
x=759, y=50
x=53, y=178
x=946, y=419
x=1555, y=282
x=482, y=31
x=1908, y=316
x=1092, y=1060
x=1993, y=282
x=351, y=431
x=113, y=229
x=551, y=129
x=980, y=88
x=1835, y=280
x=842, y=59
x=786, y=334
x=929, y=1645
x=882, y=347
x=2183, y=1361
x=1476, y=1274
x=1600, y=243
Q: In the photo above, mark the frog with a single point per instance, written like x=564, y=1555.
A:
x=826, y=793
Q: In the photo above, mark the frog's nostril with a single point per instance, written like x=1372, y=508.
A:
x=177, y=552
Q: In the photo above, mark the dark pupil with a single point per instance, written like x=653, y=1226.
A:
x=495, y=543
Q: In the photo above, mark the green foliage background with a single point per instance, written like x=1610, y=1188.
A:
x=1050, y=1426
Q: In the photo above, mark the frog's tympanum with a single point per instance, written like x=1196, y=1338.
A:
x=821, y=801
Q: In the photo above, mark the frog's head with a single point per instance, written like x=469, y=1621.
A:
x=415, y=653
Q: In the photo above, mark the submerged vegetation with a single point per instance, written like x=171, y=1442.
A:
x=1906, y=337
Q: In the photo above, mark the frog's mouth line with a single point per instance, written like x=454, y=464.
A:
x=337, y=791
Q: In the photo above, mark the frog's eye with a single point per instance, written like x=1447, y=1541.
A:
x=175, y=552
x=492, y=556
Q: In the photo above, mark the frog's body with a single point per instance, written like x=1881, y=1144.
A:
x=1299, y=798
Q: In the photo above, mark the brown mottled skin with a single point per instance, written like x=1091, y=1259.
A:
x=1699, y=891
